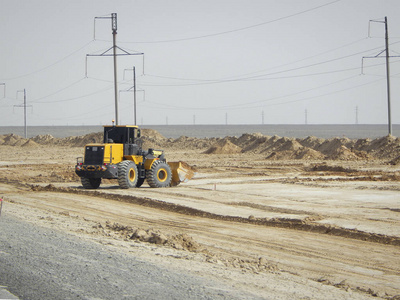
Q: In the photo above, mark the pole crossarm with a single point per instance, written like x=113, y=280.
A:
x=118, y=54
x=376, y=56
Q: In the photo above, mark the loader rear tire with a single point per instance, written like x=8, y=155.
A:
x=90, y=183
x=159, y=175
x=127, y=174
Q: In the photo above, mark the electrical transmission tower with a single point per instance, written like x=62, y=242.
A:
x=387, y=56
x=113, y=18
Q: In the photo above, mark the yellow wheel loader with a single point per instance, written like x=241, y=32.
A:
x=121, y=157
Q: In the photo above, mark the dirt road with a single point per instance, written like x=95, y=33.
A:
x=278, y=229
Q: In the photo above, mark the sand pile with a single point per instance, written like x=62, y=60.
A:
x=30, y=143
x=224, y=146
x=273, y=147
x=152, y=139
x=308, y=154
x=395, y=161
x=311, y=148
x=46, y=139
x=178, y=241
x=185, y=142
x=11, y=139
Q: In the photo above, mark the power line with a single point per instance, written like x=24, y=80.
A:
x=58, y=91
x=49, y=66
x=214, y=81
x=246, y=105
x=238, y=29
x=268, y=78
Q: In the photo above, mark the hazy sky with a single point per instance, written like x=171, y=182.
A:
x=208, y=61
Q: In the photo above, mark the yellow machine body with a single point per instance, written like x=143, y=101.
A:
x=121, y=157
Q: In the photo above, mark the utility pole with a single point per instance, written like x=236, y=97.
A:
x=356, y=114
x=262, y=117
x=134, y=93
x=388, y=77
x=305, y=117
x=226, y=118
x=24, y=106
x=387, y=56
x=114, y=33
x=114, y=54
x=4, y=95
x=194, y=119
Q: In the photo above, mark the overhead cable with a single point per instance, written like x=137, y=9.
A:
x=238, y=29
x=49, y=66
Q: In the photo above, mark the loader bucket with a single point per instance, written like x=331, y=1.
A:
x=181, y=172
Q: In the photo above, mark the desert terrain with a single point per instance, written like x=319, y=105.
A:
x=279, y=217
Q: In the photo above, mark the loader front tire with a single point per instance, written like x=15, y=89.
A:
x=159, y=175
x=127, y=174
x=90, y=183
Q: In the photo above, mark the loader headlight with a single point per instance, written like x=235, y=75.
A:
x=103, y=168
x=78, y=167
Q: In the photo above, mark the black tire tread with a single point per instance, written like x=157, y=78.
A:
x=90, y=183
x=123, y=169
x=151, y=175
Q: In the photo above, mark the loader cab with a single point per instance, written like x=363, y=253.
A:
x=127, y=135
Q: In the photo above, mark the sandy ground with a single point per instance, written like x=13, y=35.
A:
x=283, y=229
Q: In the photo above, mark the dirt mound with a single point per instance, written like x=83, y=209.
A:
x=251, y=141
x=385, y=147
x=273, y=147
x=46, y=139
x=311, y=142
x=331, y=146
x=12, y=140
x=327, y=168
x=308, y=154
x=183, y=242
x=255, y=144
x=152, y=139
x=185, y=142
x=179, y=241
x=290, y=145
x=395, y=161
x=80, y=141
x=223, y=147
x=152, y=134
x=30, y=143
x=342, y=153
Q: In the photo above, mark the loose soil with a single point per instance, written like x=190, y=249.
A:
x=272, y=215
